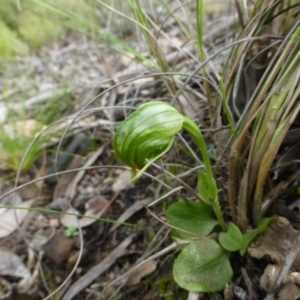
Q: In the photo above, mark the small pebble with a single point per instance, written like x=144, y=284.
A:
x=54, y=223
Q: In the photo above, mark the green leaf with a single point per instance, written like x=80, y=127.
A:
x=194, y=217
x=206, y=192
x=251, y=234
x=71, y=232
x=203, y=266
x=232, y=240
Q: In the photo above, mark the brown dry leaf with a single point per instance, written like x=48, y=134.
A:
x=296, y=277
x=39, y=239
x=95, y=208
x=70, y=219
x=144, y=270
x=269, y=276
x=275, y=242
x=122, y=181
x=11, y=218
x=288, y=290
x=12, y=265
x=58, y=248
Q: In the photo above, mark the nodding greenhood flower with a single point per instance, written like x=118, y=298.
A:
x=148, y=133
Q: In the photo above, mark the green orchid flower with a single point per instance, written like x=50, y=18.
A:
x=148, y=133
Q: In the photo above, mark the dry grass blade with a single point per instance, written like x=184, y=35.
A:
x=280, y=114
x=271, y=110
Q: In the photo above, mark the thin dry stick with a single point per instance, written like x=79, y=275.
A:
x=125, y=276
x=97, y=270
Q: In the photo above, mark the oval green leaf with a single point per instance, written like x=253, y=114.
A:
x=203, y=266
x=232, y=240
x=190, y=216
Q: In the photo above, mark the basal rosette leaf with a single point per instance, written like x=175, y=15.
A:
x=203, y=266
x=147, y=133
x=232, y=240
x=190, y=219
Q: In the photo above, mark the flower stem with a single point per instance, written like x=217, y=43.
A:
x=191, y=127
x=217, y=209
